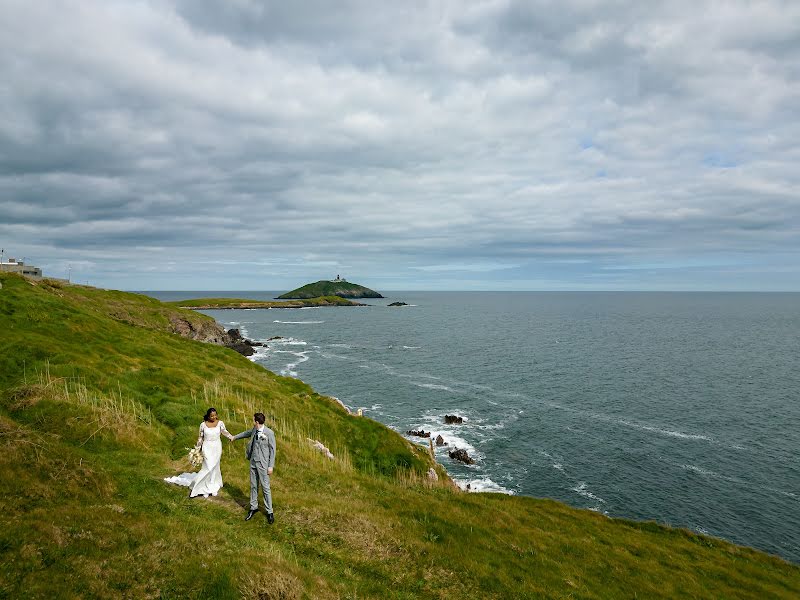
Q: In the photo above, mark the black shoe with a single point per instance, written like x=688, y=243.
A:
x=270, y=518
x=250, y=514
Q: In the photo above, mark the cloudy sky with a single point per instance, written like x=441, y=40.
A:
x=246, y=145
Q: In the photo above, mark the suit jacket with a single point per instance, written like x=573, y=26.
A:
x=260, y=448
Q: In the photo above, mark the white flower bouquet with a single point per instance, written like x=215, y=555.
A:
x=195, y=456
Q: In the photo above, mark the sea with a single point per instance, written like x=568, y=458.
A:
x=681, y=408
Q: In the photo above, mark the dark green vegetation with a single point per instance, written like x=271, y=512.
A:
x=223, y=303
x=343, y=289
x=99, y=399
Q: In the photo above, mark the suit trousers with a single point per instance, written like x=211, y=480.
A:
x=258, y=474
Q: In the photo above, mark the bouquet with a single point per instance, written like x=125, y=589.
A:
x=195, y=456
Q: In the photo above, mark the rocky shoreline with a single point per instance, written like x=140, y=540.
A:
x=212, y=332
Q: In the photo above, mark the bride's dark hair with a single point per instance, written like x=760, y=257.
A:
x=208, y=413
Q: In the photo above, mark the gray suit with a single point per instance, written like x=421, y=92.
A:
x=260, y=452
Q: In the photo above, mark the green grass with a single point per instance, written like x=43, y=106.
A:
x=331, y=288
x=212, y=303
x=99, y=399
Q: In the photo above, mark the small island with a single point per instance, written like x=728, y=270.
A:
x=231, y=303
x=336, y=287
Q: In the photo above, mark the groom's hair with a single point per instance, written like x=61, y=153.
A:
x=260, y=418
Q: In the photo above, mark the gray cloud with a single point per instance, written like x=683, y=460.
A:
x=515, y=144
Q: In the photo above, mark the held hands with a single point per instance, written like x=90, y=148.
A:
x=269, y=470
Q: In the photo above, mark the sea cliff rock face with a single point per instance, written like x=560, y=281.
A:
x=202, y=331
x=212, y=333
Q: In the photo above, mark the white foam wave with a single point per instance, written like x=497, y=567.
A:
x=432, y=386
x=482, y=485
x=412, y=347
x=298, y=322
x=700, y=470
x=452, y=439
x=582, y=489
x=668, y=432
x=289, y=369
x=347, y=346
x=290, y=341
x=332, y=355
x=260, y=352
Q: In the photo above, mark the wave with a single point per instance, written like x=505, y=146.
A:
x=289, y=369
x=432, y=386
x=667, y=432
x=411, y=347
x=290, y=341
x=260, y=352
x=482, y=485
x=452, y=439
x=582, y=489
x=701, y=471
x=298, y=322
x=332, y=355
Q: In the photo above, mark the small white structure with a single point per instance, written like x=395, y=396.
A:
x=12, y=265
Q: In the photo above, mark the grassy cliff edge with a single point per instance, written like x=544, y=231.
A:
x=99, y=399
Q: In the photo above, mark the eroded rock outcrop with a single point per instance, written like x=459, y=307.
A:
x=421, y=433
x=461, y=455
x=211, y=332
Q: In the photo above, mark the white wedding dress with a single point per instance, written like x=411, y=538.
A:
x=208, y=480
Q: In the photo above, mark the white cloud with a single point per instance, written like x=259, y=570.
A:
x=440, y=137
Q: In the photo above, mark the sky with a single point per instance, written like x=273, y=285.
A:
x=487, y=145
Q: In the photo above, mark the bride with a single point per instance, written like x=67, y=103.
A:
x=209, y=480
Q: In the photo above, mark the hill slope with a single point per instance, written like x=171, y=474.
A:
x=343, y=289
x=98, y=399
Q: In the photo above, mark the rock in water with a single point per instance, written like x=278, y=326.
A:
x=420, y=433
x=461, y=455
x=450, y=419
x=440, y=441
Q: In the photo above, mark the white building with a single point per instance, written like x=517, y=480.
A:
x=12, y=265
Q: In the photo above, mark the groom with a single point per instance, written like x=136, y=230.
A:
x=261, y=454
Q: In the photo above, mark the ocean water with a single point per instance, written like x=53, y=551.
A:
x=682, y=408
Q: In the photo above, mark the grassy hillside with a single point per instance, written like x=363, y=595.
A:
x=344, y=289
x=226, y=303
x=98, y=399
